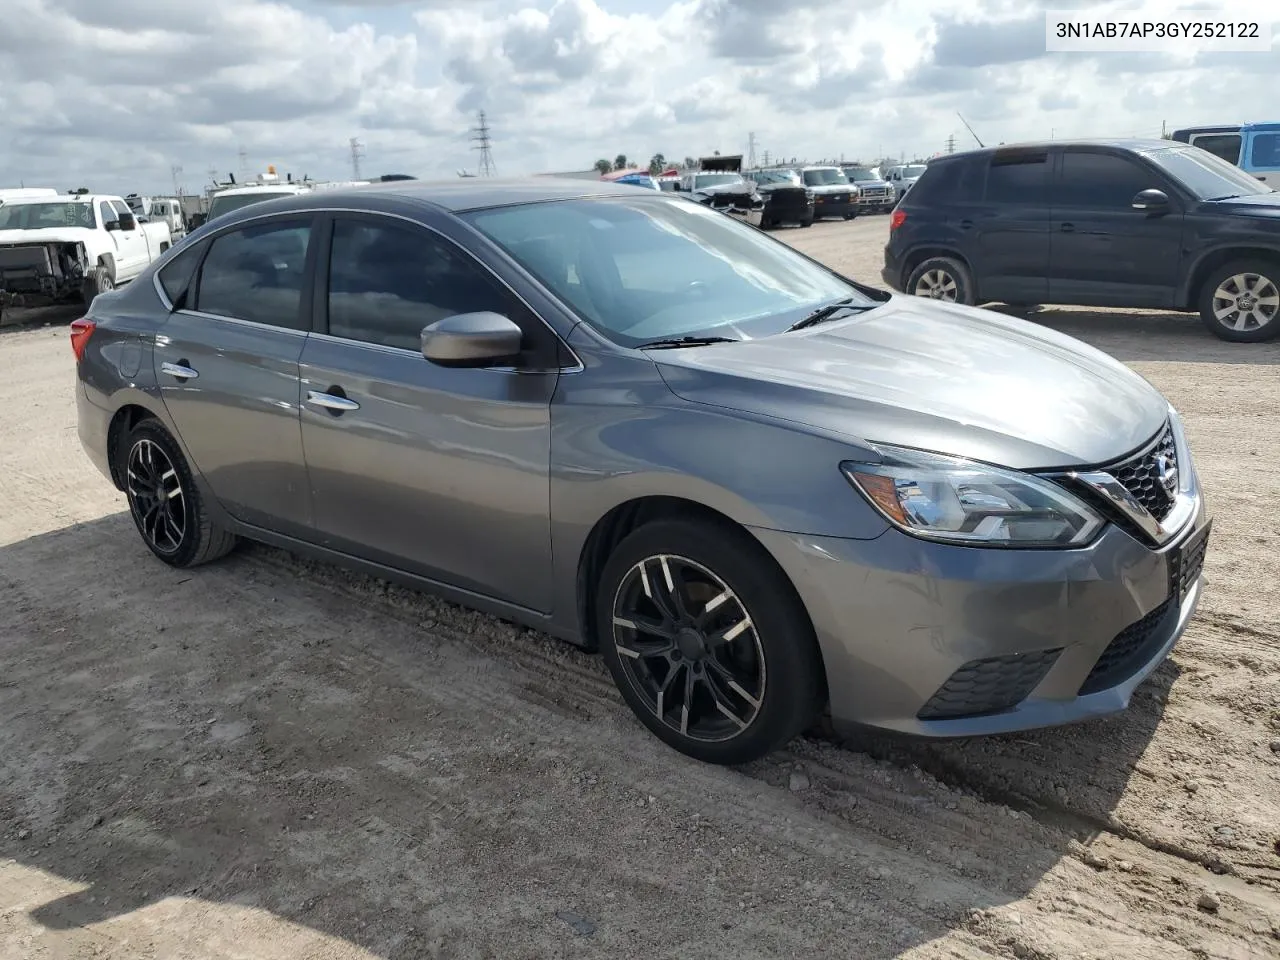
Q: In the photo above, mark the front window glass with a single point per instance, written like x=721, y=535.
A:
x=913, y=170
x=1265, y=152
x=1207, y=177
x=654, y=268
x=824, y=176
x=43, y=216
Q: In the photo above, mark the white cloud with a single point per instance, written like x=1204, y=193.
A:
x=111, y=95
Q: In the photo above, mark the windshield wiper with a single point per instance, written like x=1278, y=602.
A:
x=672, y=342
x=829, y=311
x=1229, y=196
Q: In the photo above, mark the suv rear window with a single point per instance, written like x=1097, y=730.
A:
x=1018, y=178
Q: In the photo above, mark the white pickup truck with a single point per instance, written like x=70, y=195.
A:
x=60, y=248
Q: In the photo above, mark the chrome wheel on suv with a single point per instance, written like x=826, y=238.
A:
x=941, y=278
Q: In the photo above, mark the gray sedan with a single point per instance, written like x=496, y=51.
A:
x=759, y=488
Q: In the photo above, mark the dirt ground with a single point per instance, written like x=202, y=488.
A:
x=272, y=758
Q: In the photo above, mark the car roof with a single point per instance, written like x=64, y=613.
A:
x=1133, y=144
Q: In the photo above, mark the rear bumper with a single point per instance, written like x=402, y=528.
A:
x=891, y=272
x=93, y=425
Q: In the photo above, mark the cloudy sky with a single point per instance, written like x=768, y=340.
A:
x=112, y=94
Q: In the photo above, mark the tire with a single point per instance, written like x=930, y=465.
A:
x=99, y=281
x=944, y=274
x=1259, y=278
x=807, y=223
x=851, y=216
x=149, y=446
x=771, y=705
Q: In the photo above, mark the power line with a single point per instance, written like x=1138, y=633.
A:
x=357, y=154
x=484, y=143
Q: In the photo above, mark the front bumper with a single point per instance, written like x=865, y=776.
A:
x=877, y=202
x=917, y=636
x=826, y=207
x=752, y=215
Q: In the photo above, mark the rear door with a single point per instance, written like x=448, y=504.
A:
x=1103, y=252
x=226, y=361
x=1011, y=228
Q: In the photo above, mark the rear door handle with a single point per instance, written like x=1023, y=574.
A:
x=966, y=224
x=1068, y=228
x=331, y=401
x=179, y=370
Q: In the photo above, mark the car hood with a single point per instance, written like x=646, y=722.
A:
x=939, y=377
x=1265, y=206
x=833, y=188
x=872, y=183
x=740, y=187
x=46, y=235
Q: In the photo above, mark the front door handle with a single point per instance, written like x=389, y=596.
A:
x=1068, y=228
x=179, y=370
x=966, y=224
x=331, y=401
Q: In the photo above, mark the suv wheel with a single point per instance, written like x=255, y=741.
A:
x=942, y=278
x=707, y=642
x=1240, y=301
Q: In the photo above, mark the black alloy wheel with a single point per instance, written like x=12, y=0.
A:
x=165, y=503
x=707, y=641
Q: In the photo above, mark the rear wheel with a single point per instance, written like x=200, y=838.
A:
x=98, y=281
x=807, y=223
x=707, y=642
x=1240, y=301
x=942, y=278
x=166, y=506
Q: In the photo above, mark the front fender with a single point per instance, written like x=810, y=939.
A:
x=618, y=434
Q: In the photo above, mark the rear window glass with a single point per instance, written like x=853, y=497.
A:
x=1224, y=145
x=956, y=181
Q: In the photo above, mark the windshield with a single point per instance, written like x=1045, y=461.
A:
x=913, y=170
x=655, y=267
x=41, y=216
x=1207, y=176
x=823, y=176
x=226, y=204
x=715, y=179
x=859, y=173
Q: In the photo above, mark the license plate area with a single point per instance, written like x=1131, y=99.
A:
x=1186, y=562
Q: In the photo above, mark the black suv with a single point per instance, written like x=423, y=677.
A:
x=1108, y=223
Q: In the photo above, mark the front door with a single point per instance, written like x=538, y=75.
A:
x=227, y=364
x=1012, y=228
x=1103, y=251
x=129, y=251
x=441, y=471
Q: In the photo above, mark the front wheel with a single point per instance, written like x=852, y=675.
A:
x=942, y=278
x=807, y=223
x=707, y=641
x=1240, y=301
x=98, y=281
x=166, y=506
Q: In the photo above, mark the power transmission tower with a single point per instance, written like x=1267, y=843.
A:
x=357, y=154
x=176, y=171
x=951, y=143
x=484, y=144
x=766, y=158
x=751, y=151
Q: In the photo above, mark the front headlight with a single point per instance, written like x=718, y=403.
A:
x=958, y=501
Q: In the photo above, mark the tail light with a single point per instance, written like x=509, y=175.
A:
x=81, y=331
x=897, y=219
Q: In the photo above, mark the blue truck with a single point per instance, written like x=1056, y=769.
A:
x=1253, y=147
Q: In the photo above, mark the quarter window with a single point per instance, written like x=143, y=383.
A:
x=256, y=273
x=387, y=282
x=175, y=276
x=1100, y=180
x=1018, y=178
x=1265, y=152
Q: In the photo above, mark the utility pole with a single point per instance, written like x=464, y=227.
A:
x=951, y=143
x=751, y=151
x=1164, y=134
x=484, y=143
x=357, y=154
x=176, y=171
x=244, y=163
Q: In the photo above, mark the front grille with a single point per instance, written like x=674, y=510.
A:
x=1141, y=475
x=1132, y=647
x=991, y=685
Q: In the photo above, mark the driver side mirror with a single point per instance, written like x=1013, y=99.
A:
x=128, y=222
x=472, y=340
x=1151, y=201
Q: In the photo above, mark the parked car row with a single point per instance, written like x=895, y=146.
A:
x=1110, y=223
x=543, y=399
